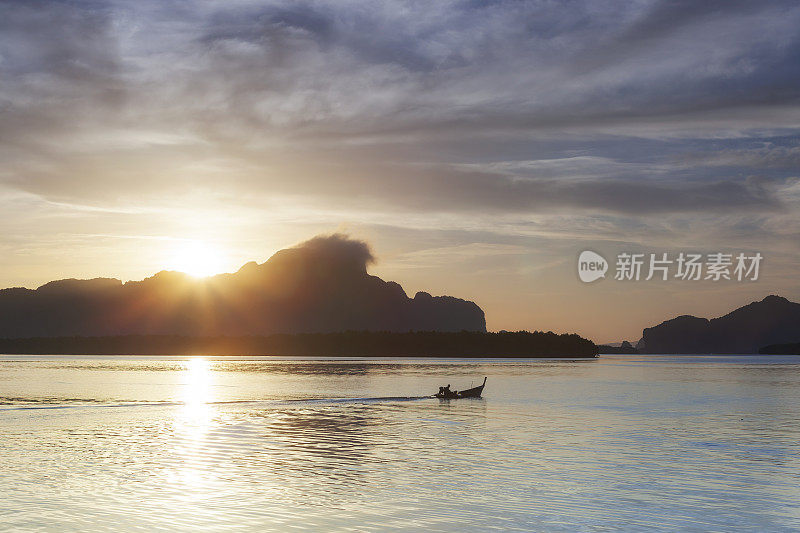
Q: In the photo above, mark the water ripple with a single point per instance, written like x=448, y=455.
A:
x=554, y=446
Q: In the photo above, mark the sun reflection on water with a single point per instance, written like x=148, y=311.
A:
x=198, y=381
x=192, y=425
x=196, y=395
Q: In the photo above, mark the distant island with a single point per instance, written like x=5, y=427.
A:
x=319, y=286
x=314, y=299
x=624, y=348
x=792, y=348
x=746, y=330
x=344, y=344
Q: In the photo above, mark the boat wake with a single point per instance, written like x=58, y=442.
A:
x=18, y=404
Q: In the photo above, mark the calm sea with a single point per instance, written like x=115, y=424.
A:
x=258, y=444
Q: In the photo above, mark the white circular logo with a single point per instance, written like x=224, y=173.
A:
x=591, y=266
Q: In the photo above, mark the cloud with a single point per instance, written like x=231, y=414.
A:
x=768, y=157
x=337, y=249
x=489, y=116
x=242, y=82
x=314, y=68
x=447, y=189
x=57, y=62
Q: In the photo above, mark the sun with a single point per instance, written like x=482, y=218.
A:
x=197, y=258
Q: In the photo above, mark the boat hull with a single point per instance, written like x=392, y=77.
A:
x=474, y=392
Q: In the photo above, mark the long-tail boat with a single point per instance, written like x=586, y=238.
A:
x=446, y=394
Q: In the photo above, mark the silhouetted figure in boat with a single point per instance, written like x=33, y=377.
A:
x=446, y=393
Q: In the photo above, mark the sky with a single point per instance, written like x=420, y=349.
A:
x=478, y=147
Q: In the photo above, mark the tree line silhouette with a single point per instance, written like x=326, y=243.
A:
x=343, y=344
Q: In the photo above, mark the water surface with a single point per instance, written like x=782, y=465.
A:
x=260, y=444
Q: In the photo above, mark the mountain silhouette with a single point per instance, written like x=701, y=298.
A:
x=319, y=286
x=773, y=320
x=792, y=348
